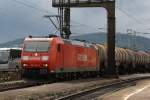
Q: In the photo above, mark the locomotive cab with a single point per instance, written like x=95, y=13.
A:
x=35, y=55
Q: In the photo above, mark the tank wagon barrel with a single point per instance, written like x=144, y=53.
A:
x=127, y=61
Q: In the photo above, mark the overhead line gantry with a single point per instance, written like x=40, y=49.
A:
x=64, y=7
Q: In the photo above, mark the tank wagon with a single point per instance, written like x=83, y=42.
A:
x=61, y=57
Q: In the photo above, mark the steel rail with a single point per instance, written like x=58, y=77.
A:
x=21, y=84
x=102, y=89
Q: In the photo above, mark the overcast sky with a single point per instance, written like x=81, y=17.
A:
x=20, y=18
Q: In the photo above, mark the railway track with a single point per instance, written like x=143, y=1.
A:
x=83, y=95
x=93, y=93
x=5, y=86
x=9, y=75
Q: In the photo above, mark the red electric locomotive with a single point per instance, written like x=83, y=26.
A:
x=56, y=56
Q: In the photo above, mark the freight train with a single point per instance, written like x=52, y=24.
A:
x=59, y=57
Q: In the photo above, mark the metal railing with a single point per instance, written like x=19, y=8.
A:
x=58, y=2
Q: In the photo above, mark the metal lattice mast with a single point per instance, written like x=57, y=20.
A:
x=66, y=26
x=60, y=12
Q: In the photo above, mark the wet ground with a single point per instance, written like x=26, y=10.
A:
x=139, y=92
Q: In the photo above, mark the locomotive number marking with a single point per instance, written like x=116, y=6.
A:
x=82, y=57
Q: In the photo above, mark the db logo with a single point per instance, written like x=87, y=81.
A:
x=82, y=57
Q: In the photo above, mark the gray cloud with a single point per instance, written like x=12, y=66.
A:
x=17, y=20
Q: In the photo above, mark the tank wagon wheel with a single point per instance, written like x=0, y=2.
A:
x=130, y=69
x=147, y=68
x=122, y=70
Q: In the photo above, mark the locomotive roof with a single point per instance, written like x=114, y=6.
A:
x=38, y=39
x=76, y=42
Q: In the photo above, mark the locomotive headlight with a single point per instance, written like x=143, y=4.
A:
x=24, y=65
x=45, y=65
x=44, y=58
x=25, y=57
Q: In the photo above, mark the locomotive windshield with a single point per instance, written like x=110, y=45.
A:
x=4, y=56
x=36, y=46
